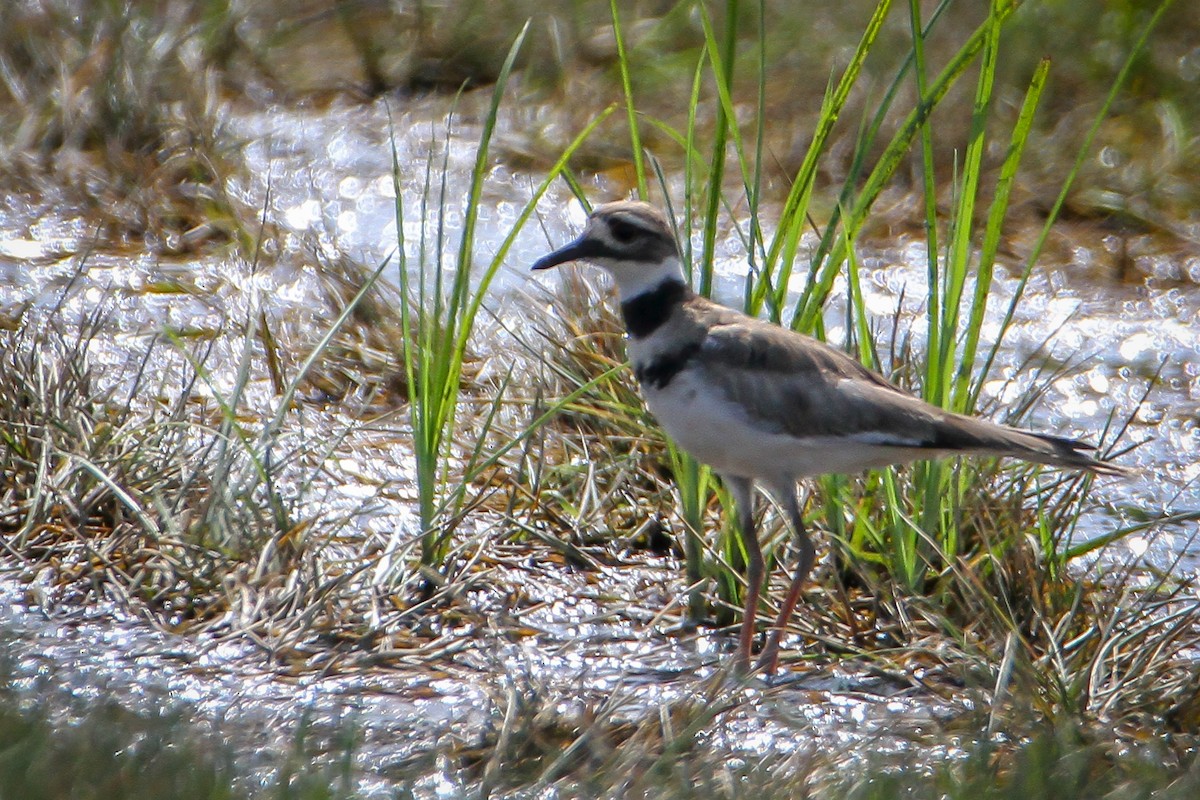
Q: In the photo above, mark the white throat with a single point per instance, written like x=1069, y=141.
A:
x=637, y=278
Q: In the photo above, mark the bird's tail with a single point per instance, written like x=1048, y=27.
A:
x=971, y=434
x=1057, y=451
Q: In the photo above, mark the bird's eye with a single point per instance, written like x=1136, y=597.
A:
x=622, y=231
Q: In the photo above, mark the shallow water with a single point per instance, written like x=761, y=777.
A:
x=1074, y=311
x=578, y=664
x=325, y=177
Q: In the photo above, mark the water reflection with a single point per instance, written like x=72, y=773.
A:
x=326, y=177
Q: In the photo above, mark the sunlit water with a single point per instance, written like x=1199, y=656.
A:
x=572, y=669
x=326, y=178
x=1116, y=336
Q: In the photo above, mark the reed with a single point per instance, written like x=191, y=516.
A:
x=912, y=524
x=439, y=305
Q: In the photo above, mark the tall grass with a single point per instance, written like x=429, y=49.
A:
x=439, y=305
x=915, y=524
x=935, y=511
x=173, y=484
x=205, y=521
x=118, y=106
x=925, y=522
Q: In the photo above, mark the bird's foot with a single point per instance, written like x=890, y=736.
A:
x=768, y=659
x=741, y=665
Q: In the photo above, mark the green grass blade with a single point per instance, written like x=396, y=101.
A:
x=782, y=251
x=635, y=139
x=958, y=264
x=830, y=256
x=721, y=58
x=929, y=189
x=965, y=396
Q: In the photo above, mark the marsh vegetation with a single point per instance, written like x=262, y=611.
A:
x=273, y=377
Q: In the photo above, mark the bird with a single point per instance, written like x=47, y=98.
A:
x=764, y=405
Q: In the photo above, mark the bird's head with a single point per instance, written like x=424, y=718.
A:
x=631, y=240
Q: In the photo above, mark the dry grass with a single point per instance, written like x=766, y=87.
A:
x=196, y=493
x=173, y=509
x=1007, y=613
x=126, y=106
x=118, y=107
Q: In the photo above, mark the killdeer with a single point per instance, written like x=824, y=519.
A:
x=761, y=403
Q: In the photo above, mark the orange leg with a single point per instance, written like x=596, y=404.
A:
x=769, y=658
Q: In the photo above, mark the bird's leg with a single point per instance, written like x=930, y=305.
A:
x=787, y=496
x=742, y=490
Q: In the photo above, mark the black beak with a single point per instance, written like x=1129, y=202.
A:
x=581, y=248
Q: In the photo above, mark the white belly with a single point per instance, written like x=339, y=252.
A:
x=719, y=433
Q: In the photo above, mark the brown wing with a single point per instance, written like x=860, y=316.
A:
x=798, y=385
